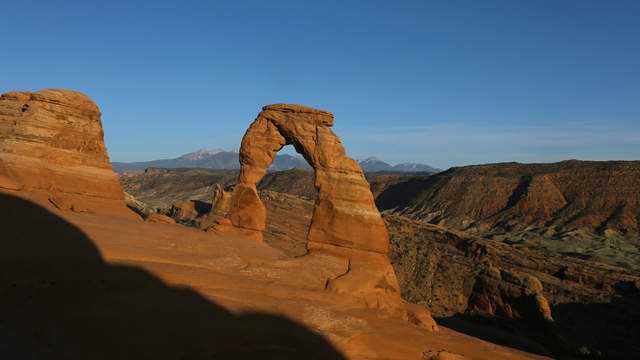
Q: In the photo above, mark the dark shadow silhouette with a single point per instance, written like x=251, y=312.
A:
x=519, y=192
x=60, y=300
x=510, y=333
x=580, y=331
x=403, y=193
x=201, y=207
x=603, y=330
x=576, y=255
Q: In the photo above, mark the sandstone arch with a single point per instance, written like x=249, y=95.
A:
x=345, y=215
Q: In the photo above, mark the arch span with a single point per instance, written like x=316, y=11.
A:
x=344, y=214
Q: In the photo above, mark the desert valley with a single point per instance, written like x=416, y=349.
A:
x=498, y=261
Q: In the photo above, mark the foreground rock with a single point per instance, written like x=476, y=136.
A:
x=52, y=141
x=80, y=282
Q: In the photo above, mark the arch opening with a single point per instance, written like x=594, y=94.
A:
x=287, y=190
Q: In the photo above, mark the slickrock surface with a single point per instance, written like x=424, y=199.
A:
x=129, y=289
x=52, y=141
x=159, y=218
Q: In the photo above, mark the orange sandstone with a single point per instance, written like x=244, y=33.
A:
x=52, y=141
x=345, y=219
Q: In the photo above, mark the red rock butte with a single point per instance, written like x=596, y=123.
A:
x=52, y=141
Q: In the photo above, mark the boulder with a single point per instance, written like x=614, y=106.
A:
x=184, y=210
x=509, y=294
x=137, y=205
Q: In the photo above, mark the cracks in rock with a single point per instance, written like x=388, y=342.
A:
x=326, y=283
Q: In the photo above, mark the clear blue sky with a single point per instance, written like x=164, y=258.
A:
x=440, y=82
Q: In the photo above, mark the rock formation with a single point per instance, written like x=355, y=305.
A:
x=345, y=215
x=136, y=205
x=221, y=200
x=345, y=220
x=52, y=140
x=509, y=294
x=183, y=210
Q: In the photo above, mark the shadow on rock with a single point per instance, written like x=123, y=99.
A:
x=579, y=331
x=602, y=330
x=507, y=332
x=60, y=300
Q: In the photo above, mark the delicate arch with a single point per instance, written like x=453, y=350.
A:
x=344, y=214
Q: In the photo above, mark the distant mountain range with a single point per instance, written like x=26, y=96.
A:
x=373, y=164
x=221, y=159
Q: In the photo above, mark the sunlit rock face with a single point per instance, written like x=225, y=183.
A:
x=345, y=221
x=345, y=214
x=52, y=141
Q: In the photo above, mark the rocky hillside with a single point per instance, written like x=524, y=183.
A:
x=160, y=188
x=594, y=306
x=580, y=208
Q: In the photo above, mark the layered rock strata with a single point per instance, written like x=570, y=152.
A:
x=598, y=196
x=52, y=141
